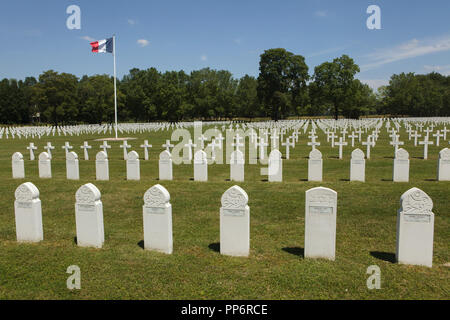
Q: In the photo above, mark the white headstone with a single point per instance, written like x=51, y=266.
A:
x=165, y=166
x=133, y=167
x=320, y=223
x=200, y=166
x=89, y=217
x=235, y=223
x=315, y=165
x=237, y=163
x=45, y=166
x=18, y=167
x=415, y=229
x=358, y=166
x=443, y=171
x=28, y=213
x=157, y=212
x=72, y=167
x=102, y=166
x=401, y=166
x=275, y=166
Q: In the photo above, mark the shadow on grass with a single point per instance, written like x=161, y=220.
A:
x=296, y=251
x=141, y=244
x=430, y=180
x=385, y=256
x=344, y=179
x=265, y=180
x=75, y=240
x=303, y=179
x=214, y=246
x=191, y=179
x=390, y=180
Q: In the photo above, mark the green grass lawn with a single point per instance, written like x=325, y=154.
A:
x=275, y=269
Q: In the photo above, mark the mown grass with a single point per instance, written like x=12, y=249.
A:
x=275, y=269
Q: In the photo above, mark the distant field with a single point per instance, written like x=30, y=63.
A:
x=275, y=269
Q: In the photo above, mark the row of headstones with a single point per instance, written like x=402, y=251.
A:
x=40, y=131
x=237, y=171
x=415, y=221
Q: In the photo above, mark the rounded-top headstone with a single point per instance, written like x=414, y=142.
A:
x=17, y=156
x=415, y=201
x=444, y=154
x=26, y=192
x=44, y=156
x=71, y=156
x=101, y=155
x=402, y=154
x=237, y=156
x=87, y=194
x=315, y=155
x=357, y=154
x=322, y=195
x=200, y=155
x=133, y=155
x=165, y=155
x=234, y=198
x=156, y=196
x=275, y=155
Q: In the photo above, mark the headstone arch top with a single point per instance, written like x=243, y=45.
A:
x=157, y=196
x=87, y=194
x=234, y=198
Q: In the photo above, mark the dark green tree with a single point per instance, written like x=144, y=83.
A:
x=281, y=82
x=333, y=82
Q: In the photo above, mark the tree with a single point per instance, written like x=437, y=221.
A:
x=97, y=99
x=333, y=82
x=247, y=104
x=56, y=96
x=418, y=95
x=281, y=81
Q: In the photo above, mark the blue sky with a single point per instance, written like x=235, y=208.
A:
x=231, y=35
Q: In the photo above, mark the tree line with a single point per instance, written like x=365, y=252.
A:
x=284, y=88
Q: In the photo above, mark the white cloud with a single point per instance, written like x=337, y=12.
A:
x=326, y=51
x=444, y=70
x=143, y=42
x=131, y=22
x=87, y=38
x=238, y=40
x=321, y=14
x=411, y=49
x=375, y=83
x=203, y=57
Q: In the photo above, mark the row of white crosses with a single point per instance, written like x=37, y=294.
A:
x=262, y=140
x=414, y=134
x=105, y=146
x=92, y=129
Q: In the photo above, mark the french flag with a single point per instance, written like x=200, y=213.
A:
x=105, y=45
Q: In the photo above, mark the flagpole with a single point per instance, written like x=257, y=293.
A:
x=115, y=88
